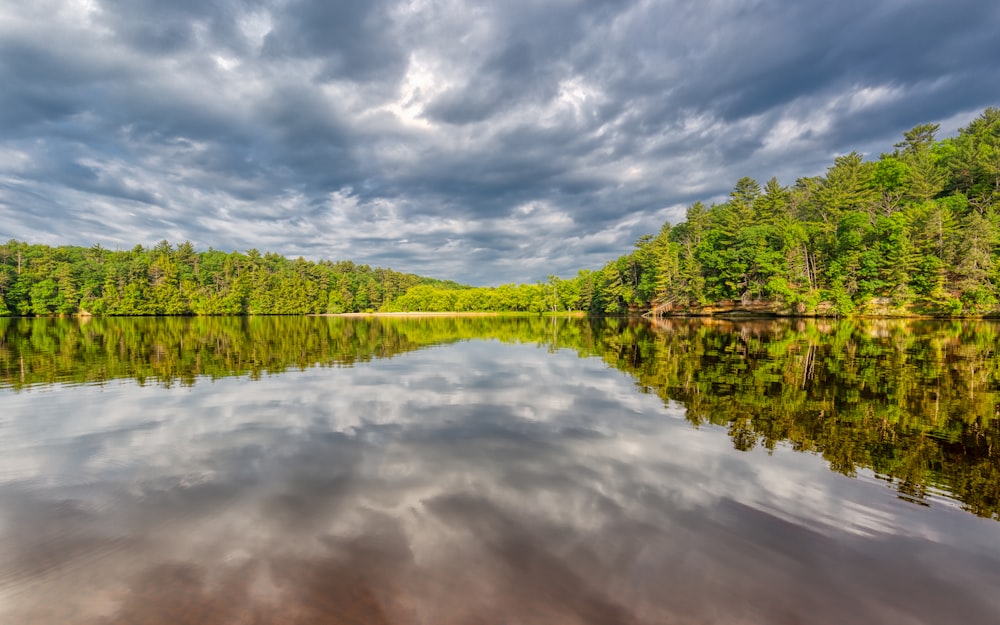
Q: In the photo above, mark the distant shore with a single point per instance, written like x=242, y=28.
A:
x=451, y=314
x=704, y=312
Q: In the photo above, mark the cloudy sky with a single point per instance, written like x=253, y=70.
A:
x=484, y=142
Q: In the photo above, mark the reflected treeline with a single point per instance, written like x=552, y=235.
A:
x=916, y=402
x=913, y=401
x=179, y=350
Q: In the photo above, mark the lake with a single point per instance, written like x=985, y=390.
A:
x=498, y=471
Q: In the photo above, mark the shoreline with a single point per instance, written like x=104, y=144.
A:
x=677, y=314
x=450, y=314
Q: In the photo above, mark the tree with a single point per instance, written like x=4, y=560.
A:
x=847, y=186
x=976, y=270
x=45, y=298
x=773, y=204
x=925, y=180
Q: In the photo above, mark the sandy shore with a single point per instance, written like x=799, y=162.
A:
x=449, y=314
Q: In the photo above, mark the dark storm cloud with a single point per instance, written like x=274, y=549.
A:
x=353, y=39
x=484, y=142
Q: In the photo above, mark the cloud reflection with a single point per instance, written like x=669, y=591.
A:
x=471, y=483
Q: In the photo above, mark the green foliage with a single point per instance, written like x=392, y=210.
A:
x=915, y=231
x=556, y=295
x=40, y=280
x=972, y=159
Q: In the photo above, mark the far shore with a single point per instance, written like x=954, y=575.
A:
x=451, y=314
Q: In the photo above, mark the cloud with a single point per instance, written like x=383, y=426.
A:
x=232, y=124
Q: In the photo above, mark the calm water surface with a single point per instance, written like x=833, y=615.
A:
x=473, y=470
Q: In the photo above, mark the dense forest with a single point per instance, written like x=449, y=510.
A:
x=176, y=280
x=915, y=402
x=915, y=231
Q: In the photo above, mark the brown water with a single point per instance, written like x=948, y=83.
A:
x=528, y=471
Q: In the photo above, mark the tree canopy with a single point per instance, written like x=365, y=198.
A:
x=176, y=280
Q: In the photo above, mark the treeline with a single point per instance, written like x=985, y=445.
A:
x=915, y=231
x=180, y=350
x=177, y=280
x=915, y=402
x=532, y=298
x=39, y=280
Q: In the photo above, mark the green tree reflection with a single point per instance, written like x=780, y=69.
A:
x=913, y=401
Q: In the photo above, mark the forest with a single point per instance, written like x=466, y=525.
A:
x=915, y=231
x=38, y=280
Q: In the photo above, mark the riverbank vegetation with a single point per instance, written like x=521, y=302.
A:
x=915, y=231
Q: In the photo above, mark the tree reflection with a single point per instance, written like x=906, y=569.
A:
x=913, y=401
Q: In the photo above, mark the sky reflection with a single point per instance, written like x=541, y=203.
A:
x=476, y=482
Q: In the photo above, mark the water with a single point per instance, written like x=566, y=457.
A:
x=479, y=470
